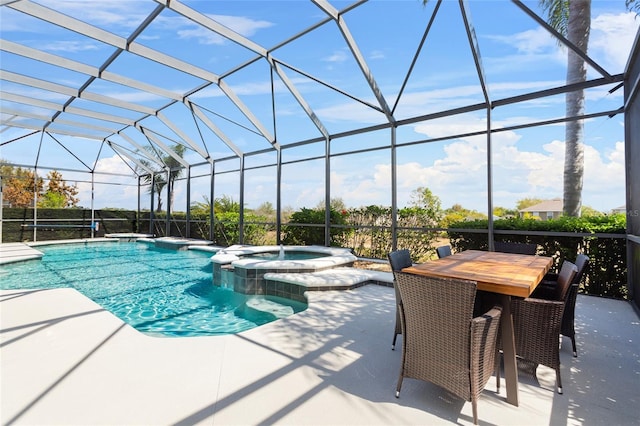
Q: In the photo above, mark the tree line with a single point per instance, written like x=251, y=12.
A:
x=23, y=188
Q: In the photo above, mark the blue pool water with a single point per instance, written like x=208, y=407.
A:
x=157, y=291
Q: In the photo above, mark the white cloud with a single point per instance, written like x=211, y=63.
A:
x=529, y=42
x=239, y=24
x=610, y=42
x=69, y=46
x=355, y=112
x=362, y=187
x=377, y=54
x=110, y=190
x=460, y=176
x=533, y=48
x=604, y=171
x=611, y=39
x=113, y=165
x=104, y=14
x=202, y=35
x=337, y=56
x=133, y=96
x=242, y=25
x=451, y=126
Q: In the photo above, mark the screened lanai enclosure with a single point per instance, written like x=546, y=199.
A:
x=158, y=114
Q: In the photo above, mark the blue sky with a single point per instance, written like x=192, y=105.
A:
x=518, y=56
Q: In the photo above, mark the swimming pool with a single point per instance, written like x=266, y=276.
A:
x=158, y=291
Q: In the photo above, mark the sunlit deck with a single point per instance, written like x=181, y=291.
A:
x=16, y=252
x=64, y=360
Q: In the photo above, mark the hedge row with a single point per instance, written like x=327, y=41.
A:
x=16, y=220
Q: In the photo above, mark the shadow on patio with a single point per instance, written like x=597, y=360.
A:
x=331, y=364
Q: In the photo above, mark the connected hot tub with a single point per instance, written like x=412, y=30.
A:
x=242, y=268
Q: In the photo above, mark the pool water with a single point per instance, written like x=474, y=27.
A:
x=158, y=291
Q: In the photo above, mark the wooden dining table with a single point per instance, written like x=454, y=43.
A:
x=505, y=274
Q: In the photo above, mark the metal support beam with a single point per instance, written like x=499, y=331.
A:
x=241, y=219
x=212, y=213
x=152, y=191
x=138, y=210
x=188, y=224
x=489, y=182
x=93, y=212
x=327, y=192
x=394, y=190
x=279, y=197
x=167, y=230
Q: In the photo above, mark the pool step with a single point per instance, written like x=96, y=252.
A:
x=276, y=309
x=332, y=279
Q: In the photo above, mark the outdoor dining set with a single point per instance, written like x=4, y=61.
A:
x=463, y=313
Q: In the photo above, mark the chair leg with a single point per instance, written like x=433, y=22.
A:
x=497, y=369
x=399, y=386
x=393, y=344
x=474, y=405
x=573, y=344
x=558, y=380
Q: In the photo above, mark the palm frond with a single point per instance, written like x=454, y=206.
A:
x=557, y=12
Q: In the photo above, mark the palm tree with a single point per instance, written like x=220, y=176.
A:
x=159, y=181
x=572, y=19
x=176, y=169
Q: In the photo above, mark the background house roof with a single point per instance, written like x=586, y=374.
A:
x=554, y=205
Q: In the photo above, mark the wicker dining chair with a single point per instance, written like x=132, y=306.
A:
x=547, y=289
x=443, y=251
x=517, y=248
x=537, y=324
x=398, y=259
x=442, y=342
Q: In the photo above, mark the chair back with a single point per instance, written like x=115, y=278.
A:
x=568, y=316
x=399, y=259
x=517, y=248
x=437, y=328
x=443, y=251
x=582, y=263
x=565, y=279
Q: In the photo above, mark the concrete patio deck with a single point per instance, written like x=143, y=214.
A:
x=16, y=252
x=66, y=361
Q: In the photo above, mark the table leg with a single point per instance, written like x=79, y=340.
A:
x=509, y=351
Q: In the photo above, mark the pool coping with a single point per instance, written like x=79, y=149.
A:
x=19, y=252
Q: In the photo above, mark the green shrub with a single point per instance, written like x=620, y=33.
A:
x=226, y=230
x=370, y=235
x=298, y=231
